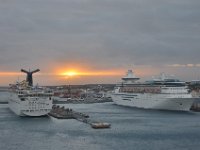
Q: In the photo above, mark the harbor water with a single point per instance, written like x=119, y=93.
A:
x=131, y=129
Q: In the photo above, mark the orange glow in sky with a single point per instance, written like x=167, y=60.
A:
x=79, y=72
x=72, y=73
x=69, y=73
x=77, y=75
x=10, y=73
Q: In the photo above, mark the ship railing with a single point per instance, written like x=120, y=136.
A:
x=35, y=95
x=140, y=89
x=175, y=91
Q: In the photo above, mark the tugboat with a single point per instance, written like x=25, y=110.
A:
x=28, y=100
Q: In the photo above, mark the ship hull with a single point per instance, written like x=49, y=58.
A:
x=33, y=107
x=151, y=101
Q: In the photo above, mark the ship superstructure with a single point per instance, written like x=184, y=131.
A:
x=28, y=100
x=163, y=92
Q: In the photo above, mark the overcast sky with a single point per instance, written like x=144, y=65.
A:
x=156, y=35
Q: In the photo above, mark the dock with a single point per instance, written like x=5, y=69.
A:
x=67, y=113
x=61, y=113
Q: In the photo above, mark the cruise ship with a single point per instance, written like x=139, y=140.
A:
x=28, y=100
x=163, y=93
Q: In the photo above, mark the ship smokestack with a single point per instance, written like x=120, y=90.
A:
x=29, y=77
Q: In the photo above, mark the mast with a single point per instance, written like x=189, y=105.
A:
x=29, y=77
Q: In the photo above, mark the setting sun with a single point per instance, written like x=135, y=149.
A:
x=70, y=73
x=87, y=72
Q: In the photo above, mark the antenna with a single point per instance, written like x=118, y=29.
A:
x=29, y=77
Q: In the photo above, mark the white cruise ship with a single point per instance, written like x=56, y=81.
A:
x=27, y=100
x=163, y=93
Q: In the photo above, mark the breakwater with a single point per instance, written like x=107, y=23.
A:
x=67, y=113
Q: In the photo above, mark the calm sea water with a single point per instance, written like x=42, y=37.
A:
x=132, y=129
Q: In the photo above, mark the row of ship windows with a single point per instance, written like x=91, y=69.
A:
x=33, y=95
x=129, y=99
x=36, y=102
x=34, y=107
x=173, y=88
x=39, y=106
x=36, y=110
x=23, y=99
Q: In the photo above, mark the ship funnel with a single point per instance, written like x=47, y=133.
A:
x=29, y=77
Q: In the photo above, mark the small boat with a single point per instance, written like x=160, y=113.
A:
x=100, y=125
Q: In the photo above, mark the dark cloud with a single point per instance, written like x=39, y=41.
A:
x=102, y=33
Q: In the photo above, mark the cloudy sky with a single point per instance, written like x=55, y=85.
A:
x=98, y=39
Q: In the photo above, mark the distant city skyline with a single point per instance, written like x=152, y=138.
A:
x=92, y=41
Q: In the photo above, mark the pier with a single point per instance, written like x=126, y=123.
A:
x=67, y=113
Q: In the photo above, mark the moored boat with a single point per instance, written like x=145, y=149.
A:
x=163, y=93
x=28, y=100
